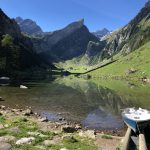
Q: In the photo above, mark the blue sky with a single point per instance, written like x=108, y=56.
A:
x=55, y=14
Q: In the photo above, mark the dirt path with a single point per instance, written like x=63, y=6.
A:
x=108, y=144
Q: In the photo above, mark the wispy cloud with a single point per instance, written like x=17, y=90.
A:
x=98, y=11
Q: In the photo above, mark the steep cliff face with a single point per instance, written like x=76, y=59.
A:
x=16, y=50
x=29, y=27
x=133, y=35
x=8, y=26
x=126, y=39
x=66, y=43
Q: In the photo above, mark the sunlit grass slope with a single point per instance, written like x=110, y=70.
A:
x=138, y=62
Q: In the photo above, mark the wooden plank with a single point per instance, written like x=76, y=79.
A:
x=142, y=142
x=126, y=140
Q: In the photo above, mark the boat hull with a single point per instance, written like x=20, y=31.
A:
x=136, y=126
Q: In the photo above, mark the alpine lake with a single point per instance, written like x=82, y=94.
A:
x=95, y=103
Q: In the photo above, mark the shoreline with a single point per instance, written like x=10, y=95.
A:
x=61, y=121
x=26, y=129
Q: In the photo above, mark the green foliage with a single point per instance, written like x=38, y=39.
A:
x=71, y=140
x=7, y=41
x=2, y=119
x=24, y=125
x=118, y=148
x=77, y=143
x=105, y=136
x=3, y=132
x=9, y=54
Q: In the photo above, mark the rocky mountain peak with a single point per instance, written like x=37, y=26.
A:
x=101, y=33
x=76, y=25
x=19, y=20
x=66, y=43
x=81, y=21
x=29, y=27
x=147, y=4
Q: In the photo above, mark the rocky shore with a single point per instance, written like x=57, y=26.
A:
x=25, y=129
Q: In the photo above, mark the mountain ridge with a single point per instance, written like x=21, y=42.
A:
x=66, y=43
x=101, y=33
x=29, y=27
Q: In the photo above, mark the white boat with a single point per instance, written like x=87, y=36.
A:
x=23, y=87
x=136, y=119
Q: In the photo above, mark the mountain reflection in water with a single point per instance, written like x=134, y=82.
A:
x=94, y=103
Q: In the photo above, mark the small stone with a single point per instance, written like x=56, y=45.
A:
x=25, y=141
x=36, y=114
x=37, y=134
x=5, y=146
x=63, y=149
x=44, y=119
x=67, y=137
x=1, y=126
x=14, y=130
x=49, y=142
x=55, y=140
x=88, y=134
x=7, y=138
x=40, y=147
x=28, y=112
x=6, y=125
x=33, y=133
x=78, y=127
x=43, y=136
x=2, y=107
x=14, y=110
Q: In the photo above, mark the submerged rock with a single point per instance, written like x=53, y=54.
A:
x=44, y=119
x=1, y=99
x=68, y=129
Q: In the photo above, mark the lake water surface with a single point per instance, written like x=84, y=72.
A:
x=96, y=104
